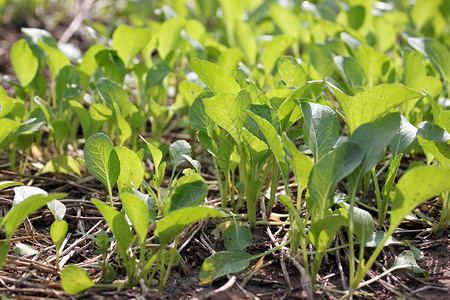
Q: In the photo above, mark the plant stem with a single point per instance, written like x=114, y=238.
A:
x=381, y=214
x=273, y=187
x=352, y=190
x=163, y=281
x=445, y=215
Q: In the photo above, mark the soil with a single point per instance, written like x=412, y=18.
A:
x=35, y=277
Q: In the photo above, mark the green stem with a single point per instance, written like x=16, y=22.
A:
x=273, y=187
x=445, y=215
x=352, y=190
x=163, y=282
x=223, y=194
x=381, y=214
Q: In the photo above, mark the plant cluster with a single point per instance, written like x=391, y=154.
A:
x=332, y=94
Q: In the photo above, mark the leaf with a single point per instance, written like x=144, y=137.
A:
x=112, y=93
x=351, y=69
x=300, y=163
x=444, y=118
x=291, y=71
x=197, y=114
x=432, y=132
x=222, y=263
x=62, y=164
x=369, y=105
x=118, y=225
x=436, y=52
x=377, y=237
x=404, y=137
x=322, y=60
x=175, y=222
x=58, y=232
x=57, y=208
x=8, y=126
x=215, y=78
x=24, y=62
x=101, y=159
x=440, y=150
x=138, y=213
x=88, y=65
x=128, y=42
x=273, y=50
x=56, y=59
x=68, y=85
x=320, y=128
x=373, y=62
x=246, y=41
x=373, y=138
x=23, y=192
x=332, y=168
x=155, y=76
x=190, y=190
x=407, y=260
x=169, y=35
x=415, y=187
x=123, y=128
x=228, y=111
x=176, y=151
x=100, y=112
x=322, y=232
x=19, y=212
x=6, y=103
x=390, y=176
x=131, y=169
x=156, y=153
x=415, y=73
x=7, y=184
x=237, y=237
x=23, y=249
x=363, y=223
x=74, y=280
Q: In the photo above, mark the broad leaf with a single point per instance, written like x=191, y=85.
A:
x=111, y=93
x=415, y=187
x=320, y=128
x=176, y=151
x=322, y=60
x=57, y=208
x=156, y=153
x=444, y=118
x=123, y=128
x=174, y=223
x=222, y=263
x=228, y=111
x=432, y=132
x=215, y=78
x=273, y=50
x=440, y=150
x=56, y=59
x=407, y=260
x=68, y=85
x=7, y=184
x=438, y=54
x=131, y=169
x=23, y=249
x=118, y=225
x=378, y=236
x=58, y=232
x=62, y=164
x=322, y=232
x=138, y=213
x=23, y=192
x=190, y=191
x=197, y=114
x=24, y=62
x=8, y=126
x=367, y=106
x=101, y=159
x=363, y=223
x=237, y=237
x=332, y=168
x=404, y=137
x=74, y=280
x=300, y=163
x=128, y=42
x=169, y=36
x=291, y=71
x=390, y=176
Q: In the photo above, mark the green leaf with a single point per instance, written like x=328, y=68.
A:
x=228, y=111
x=19, y=212
x=407, y=260
x=89, y=64
x=190, y=190
x=100, y=112
x=378, y=236
x=404, y=137
x=101, y=159
x=58, y=232
x=68, y=85
x=374, y=64
x=373, y=138
x=222, y=263
x=444, y=118
x=390, y=176
x=320, y=128
x=332, y=168
x=156, y=153
x=291, y=71
x=288, y=20
x=155, y=76
x=363, y=223
x=322, y=232
x=368, y=106
x=175, y=222
x=74, y=280
x=246, y=41
x=24, y=62
x=237, y=237
x=128, y=42
x=23, y=192
x=273, y=50
x=415, y=187
x=176, y=151
x=436, y=52
x=57, y=208
x=138, y=213
x=131, y=169
x=8, y=126
x=111, y=65
x=197, y=114
x=300, y=163
x=215, y=78
x=432, y=132
x=6, y=103
x=415, y=73
x=56, y=59
x=118, y=225
x=7, y=184
x=322, y=60
x=169, y=35
x=111, y=93
x=440, y=150
x=62, y=164
x=123, y=128
x=351, y=69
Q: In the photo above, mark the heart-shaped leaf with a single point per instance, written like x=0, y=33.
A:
x=74, y=280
